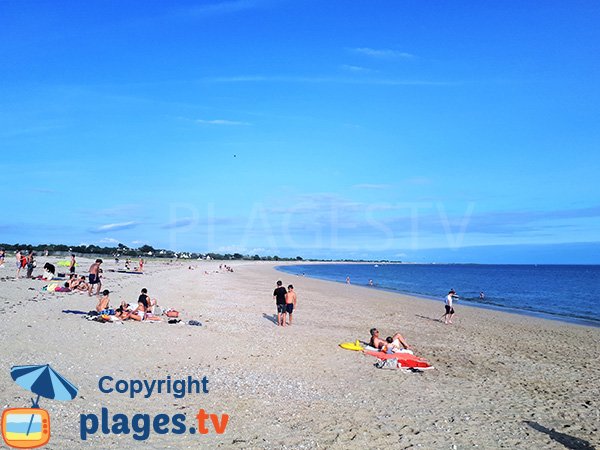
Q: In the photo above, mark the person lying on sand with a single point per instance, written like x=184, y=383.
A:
x=124, y=311
x=379, y=343
x=394, y=346
x=83, y=285
x=77, y=283
x=73, y=281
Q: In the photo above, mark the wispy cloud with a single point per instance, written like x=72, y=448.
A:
x=371, y=186
x=323, y=79
x=382, y=53
x=356, y=69
x=108, y=241
x=218, y=8
x=528, y=221
x=42, y=191
x=220, y=122
x=114, y=227
x=187, y=221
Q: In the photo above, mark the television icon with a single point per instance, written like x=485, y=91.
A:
x=25, y=427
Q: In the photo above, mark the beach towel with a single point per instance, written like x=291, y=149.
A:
x=404, y=359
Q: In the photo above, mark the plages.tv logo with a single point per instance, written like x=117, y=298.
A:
x=30, y=427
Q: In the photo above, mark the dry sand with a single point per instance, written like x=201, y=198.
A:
x=501, y=380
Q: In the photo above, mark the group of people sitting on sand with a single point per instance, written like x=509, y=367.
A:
x=389, y=345
x=128, y=311
x=73, y=283
x=225, y=267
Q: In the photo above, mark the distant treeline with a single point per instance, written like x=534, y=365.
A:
x=143, y=251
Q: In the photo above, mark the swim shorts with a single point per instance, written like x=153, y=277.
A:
x=449, y=309
x=94, y=279
x=280, y=308
x=289, y=308
x=72, y=269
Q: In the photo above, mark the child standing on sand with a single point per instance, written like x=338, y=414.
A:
x=290, y=303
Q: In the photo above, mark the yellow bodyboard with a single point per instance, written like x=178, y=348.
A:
x=352, y=345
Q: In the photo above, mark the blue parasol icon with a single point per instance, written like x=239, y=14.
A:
x=43, y=381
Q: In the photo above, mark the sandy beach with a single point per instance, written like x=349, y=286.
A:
x=500, y=380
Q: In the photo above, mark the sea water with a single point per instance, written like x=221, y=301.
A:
x=562, y=292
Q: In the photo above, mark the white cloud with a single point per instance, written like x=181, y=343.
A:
x=371, y=186
x=220, y=122
x=108, y=241
x=218, y=8
x=323, y=79
x=114, y=227
x=356, y=69
x=382, y=53
x=232, y=249
x=187, y=221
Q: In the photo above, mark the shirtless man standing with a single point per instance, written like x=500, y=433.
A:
x=290, y=303
x=95, y=277
x=72, y=264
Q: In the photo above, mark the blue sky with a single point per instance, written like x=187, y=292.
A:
x=421, y=131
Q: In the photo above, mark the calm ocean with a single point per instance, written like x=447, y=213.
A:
x=568, y=293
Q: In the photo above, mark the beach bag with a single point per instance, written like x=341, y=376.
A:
x=172, y=313
x=390, y=363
